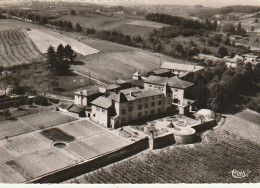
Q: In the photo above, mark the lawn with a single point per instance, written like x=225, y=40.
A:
x=208, y=162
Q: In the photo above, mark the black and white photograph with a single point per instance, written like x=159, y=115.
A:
x=129, y=92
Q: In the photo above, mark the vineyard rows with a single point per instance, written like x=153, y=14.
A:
x=208, y=162
x=16, y=48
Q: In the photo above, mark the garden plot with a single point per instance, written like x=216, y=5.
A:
x=148, y=24
x=34, y=165
x=96, y=145
x=16, y=48
x=81, y=129
x=45, y=39
x=47, y=119
x=12, y=128
x=21, y=145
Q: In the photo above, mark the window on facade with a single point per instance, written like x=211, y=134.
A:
x=130, y=109
x=150, y=85
x=146, y=105
x=152, y=104
x=140, y=107
x=145, y=112
x=175, y=90
x=123, y=111
x=130, y=102
x=160, y=96
x=159, y=102
x=140, y=100
x=175, y=101
x=159, y=110
x=139, y=114
x=153, y=98
x=103, y=110
x=94, y=115
x=97, y=108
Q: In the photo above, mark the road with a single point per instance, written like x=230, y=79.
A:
x=103, y=83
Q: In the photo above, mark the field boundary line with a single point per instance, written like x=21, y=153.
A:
x=28, y=124
x=89, y=77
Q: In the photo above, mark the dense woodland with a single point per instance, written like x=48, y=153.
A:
x=219, y=87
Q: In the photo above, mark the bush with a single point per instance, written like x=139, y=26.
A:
x=40, y=100
x=222, y=51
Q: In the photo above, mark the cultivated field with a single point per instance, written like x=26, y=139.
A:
x=208, y=162
x=147, y=23
x=108, y=23
x=101, y=65
x=43, y=40
x=16, y=48
x=244, y=124
x=126, y=59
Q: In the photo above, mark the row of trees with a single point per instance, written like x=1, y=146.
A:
x=180, y=21
x=217, y=87
x=59, y=60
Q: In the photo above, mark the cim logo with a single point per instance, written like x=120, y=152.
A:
x=239, y=173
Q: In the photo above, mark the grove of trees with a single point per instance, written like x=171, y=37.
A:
x=59, y=61
x=217, y=87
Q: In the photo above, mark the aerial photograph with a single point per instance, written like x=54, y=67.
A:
x=129, y=92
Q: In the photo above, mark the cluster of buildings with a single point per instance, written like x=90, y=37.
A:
x=123, y=101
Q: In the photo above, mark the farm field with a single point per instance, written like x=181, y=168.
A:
x=43, y=40
x=147, y=23
x=16, y=48
x=244, y=125
x=210, y=161
x=127, y=60
x=108, y=23
x=100, y=65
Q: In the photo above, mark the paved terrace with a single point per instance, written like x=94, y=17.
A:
x=27, y=148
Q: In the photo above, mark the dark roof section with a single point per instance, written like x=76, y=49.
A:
x=88, y=92
x=181, y=67
x=138, y=83
x=161, y=71
x=65, y=105
x=112, y=86
x=121, y=81
x=174, y=82
x=102, y=102
x=75, y=109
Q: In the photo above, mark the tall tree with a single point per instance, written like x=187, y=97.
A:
x=51, y=58
x=78, y=27
x=69, y=54
x=239, y=28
